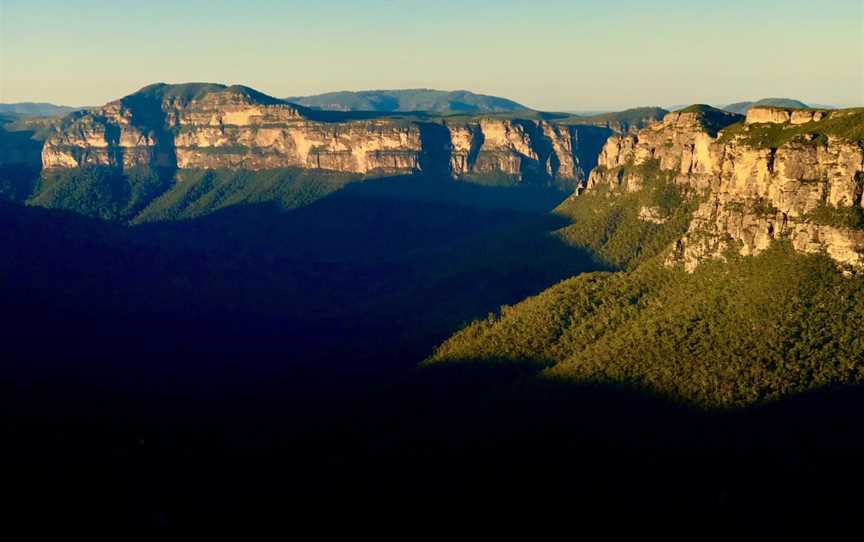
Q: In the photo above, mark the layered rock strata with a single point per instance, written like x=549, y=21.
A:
x=776, y=174
x=216, y=127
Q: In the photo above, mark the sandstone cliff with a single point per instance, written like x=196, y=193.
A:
x=779, y=173
x=202, y=126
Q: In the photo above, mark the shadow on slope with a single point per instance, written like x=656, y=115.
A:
x=368, y=219
x=183, y=461
x=363, y=281
x=20, y=159
x=173, y=383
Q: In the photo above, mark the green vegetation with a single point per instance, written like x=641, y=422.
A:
x=759, y=206
x=698, y=108
x=99, y=192
x=711, y=118
x=608, y=223
x=494, y=178
x=194, y=91
x=839, y=217
x=200, y=192
x=142, y=195
x=729, y=335
x=764, y=207
x=185, y=91
x=846, y=124
x=536, y=177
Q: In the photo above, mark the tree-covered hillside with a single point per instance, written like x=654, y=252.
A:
x=728, y=335
x=144, y=195
x=435, y=101
x=272, y=322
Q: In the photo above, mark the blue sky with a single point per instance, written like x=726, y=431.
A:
x=548, y=54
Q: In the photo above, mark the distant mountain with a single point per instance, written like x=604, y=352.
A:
x=186, y=92
x=32, y=109
x=537, y=151
x=622, y=121
x=438, y=101
x=742, y=107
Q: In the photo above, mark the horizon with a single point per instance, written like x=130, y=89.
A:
x=669, y=107
x=98, y=51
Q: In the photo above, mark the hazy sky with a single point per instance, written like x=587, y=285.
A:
x=548, y=54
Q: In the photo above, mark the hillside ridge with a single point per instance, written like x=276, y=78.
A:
x=735, y=249
x=407, y=100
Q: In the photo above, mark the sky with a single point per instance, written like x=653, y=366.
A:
x=547, y=54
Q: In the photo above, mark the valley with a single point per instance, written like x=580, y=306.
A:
x=205, y=275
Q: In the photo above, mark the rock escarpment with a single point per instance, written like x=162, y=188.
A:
x=779, y=173
x=202, y=126
x=774, y=115
x=520, y=148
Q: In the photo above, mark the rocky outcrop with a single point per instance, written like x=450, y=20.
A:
x=776, y=115
x=217, y=127
x=805, y=188
x=681, y=143
x=653, y=214
x=519, y=148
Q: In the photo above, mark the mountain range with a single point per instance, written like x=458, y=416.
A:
x=427, y=303
x=709, y=182
x=434, y=101
x=32, y=109
x=438, y=102
x=742, y=107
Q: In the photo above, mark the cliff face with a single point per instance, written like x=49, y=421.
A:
x=519, y=148
x=218, y=127
x=779, y=174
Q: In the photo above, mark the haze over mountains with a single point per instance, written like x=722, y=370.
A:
x=435, y=101
x=31, y=109
x=405, y=101
x=742, y=107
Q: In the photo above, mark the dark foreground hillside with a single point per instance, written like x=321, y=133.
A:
x=208, y=455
